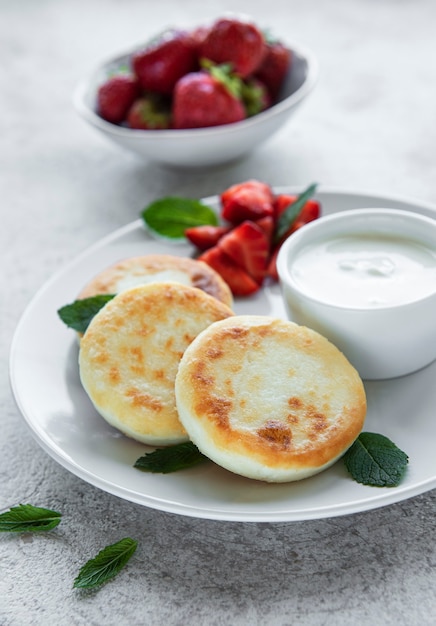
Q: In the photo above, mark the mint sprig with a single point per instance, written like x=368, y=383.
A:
x=79, y=313
x=288, y=217
x=376, y=461
x=28, y=518
x=171, y=216
x=171, y=459
x=106, y=565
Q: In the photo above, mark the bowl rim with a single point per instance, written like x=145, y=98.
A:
x=285, y=275
x=84, y=86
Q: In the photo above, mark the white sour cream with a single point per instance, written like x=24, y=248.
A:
x=366, y=271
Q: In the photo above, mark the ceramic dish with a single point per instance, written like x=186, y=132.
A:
x=360, y=277
x=200, y=147
x=45, y=381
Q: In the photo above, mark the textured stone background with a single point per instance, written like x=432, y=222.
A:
x=369, y=125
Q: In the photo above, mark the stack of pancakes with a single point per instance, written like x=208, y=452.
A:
x=168, y=360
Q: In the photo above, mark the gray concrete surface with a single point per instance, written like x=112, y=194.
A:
x=369, y=125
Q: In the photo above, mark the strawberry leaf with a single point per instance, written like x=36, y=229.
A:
x=223, y=73
x=171, y=216
x=106, y=564
x=288, y=217
x=28, y=518
x=375, y=460
x=79, y=313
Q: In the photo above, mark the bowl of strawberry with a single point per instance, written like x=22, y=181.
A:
x=198, y=97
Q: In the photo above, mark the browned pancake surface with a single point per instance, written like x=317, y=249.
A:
x=268, y=398
x=158, y=267
x=130, y=353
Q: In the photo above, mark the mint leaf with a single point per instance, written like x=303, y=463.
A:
x=171, y=216
x=288, y=217
x=106, y=564
x=376, y=461
x=28, y=518
x=79, y=314
x=172, y=459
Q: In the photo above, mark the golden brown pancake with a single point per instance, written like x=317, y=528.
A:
x=130, y=353
x=268, y=399
x=158, y=268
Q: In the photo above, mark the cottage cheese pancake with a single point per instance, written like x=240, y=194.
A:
x=130, y=353
x=268, y=399
x=158, y=268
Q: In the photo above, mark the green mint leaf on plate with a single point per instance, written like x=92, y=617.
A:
x=288, y=217
x=79, y=314
x=376, y=461
x=106, y=565
x=171, y=459
x=28, y=518
x=170, y=217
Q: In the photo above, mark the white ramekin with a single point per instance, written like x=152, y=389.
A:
x=381, y=342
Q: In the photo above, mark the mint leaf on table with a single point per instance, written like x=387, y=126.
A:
x=106, y=565
x=79, y=314
x=171, y=216
x=288, y=217
x=28, y=518
x=375, y=460
x=171, y=459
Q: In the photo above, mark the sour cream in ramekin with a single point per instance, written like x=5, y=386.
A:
x=366, y=279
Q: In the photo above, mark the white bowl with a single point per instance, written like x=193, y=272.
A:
x=200, y=146
x=378, y=312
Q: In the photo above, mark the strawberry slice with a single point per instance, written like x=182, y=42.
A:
x=248, y=246
x=250, y=200
x=205, y=237
x=239, y=281
x=267, y=225
x=271, y=270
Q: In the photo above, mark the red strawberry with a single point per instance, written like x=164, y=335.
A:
x=239, y=281
x=149, y=113
x=205, y=237
x=271, y=269
x=237, y=42
x=248, y=246
x=274, y=67
x=202, y=100
x=198, y=35
x=116, y=96
x=250, y=200
x=160, y=65
x=267, y=225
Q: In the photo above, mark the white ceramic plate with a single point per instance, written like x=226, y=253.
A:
x=45, y=381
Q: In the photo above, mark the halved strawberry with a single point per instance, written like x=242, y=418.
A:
x=248, y=246
x=250, y=200
x=271, y=269
x=205, y=237
x=267, y=225
x=239, y=281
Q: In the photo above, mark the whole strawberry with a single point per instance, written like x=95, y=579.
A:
x=237, y=42
x=116, y=96
x=160, y=65
x=149, y=113
x=274, y=67
x=201, y=99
